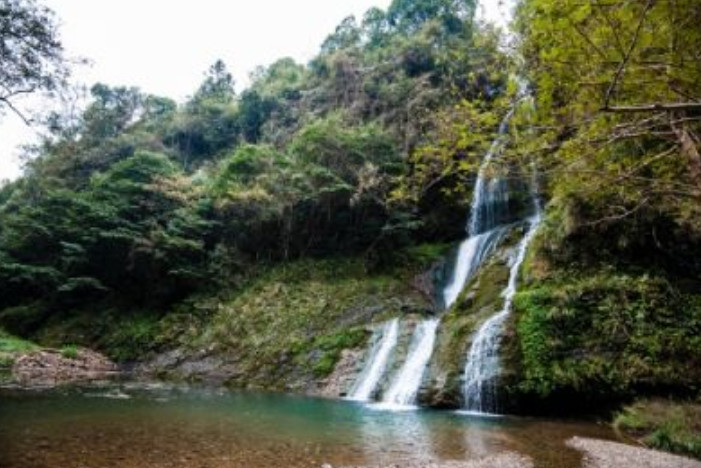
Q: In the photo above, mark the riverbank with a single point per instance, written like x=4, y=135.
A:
x=596, y=454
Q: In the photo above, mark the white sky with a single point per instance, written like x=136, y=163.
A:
x=165, y=47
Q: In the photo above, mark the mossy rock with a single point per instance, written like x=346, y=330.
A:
x=286, y=329
x=588, y=340
x=480, y=299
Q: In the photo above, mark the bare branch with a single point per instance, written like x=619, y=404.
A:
x=668, y=107
x=626, y=58
x=9, y=104
x=618, y=217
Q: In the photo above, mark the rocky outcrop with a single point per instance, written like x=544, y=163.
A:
x=204, y=366
x=341, y=380
x=52, y=367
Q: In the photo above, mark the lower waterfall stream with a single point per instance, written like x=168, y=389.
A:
x=482, y=364
x=403, y=391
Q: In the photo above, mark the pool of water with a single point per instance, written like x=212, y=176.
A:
x=137, y=425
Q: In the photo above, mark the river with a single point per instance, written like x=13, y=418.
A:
x=139, y=426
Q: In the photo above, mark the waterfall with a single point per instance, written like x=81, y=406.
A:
x=489, y=206
x=483, y=359
x=377, y=362
x=489, y=209
x=471, y=254
x=405, y=387
x=489, y=198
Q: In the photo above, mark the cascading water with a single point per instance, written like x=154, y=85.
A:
x=403, y=391
x=490, y=197
x=483, y=359
x=471, y=254
x=489, y=207
x=377, y=363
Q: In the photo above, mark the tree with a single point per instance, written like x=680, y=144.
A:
x=347, y=35
x=31, y=55
x=113, y=109
x=375, y=27
x=409, y=16
x=218, y=85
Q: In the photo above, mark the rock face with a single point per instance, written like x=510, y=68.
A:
x=341, y=380
x=480, y=299
x=204, y=366
x=52, y=367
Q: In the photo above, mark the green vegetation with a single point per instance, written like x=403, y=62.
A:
x=69, y=351
x=32, y=54
x=138, y=204
x=664, y=425
x=10, y=348
x=608, y=336
x=10, y=344
x=292, y=321
x=332, y=345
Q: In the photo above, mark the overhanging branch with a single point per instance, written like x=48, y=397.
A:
x=667, y=107
x=19, y=113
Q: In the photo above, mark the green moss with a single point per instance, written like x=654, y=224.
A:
x=606, y=336
x=333, y=345
x=665, y=425
x=10, y=344
x=480, y=299
x=294, y=320
x=69, y=351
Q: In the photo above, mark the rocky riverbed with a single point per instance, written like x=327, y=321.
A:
x=596, y=454
x=50, y=367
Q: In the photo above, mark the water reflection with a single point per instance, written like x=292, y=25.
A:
x=184, y=427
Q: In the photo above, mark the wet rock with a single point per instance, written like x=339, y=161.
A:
x=202, y=366
x=339, y=383
x=50, y=367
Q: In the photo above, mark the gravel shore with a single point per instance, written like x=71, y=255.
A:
x=597, y=454
x=603, y=454
x=501, y=460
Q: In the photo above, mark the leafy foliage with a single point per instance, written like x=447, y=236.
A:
x=663, y=425
x=616, y=115
x=607, y=336
x=32, y=55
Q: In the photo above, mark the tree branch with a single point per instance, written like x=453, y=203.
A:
x=626, y=57
x=668, y=107
x=9, y=104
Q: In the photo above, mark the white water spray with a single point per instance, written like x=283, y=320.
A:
x=402, y=393
x=377, y=363
x=483, y=359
